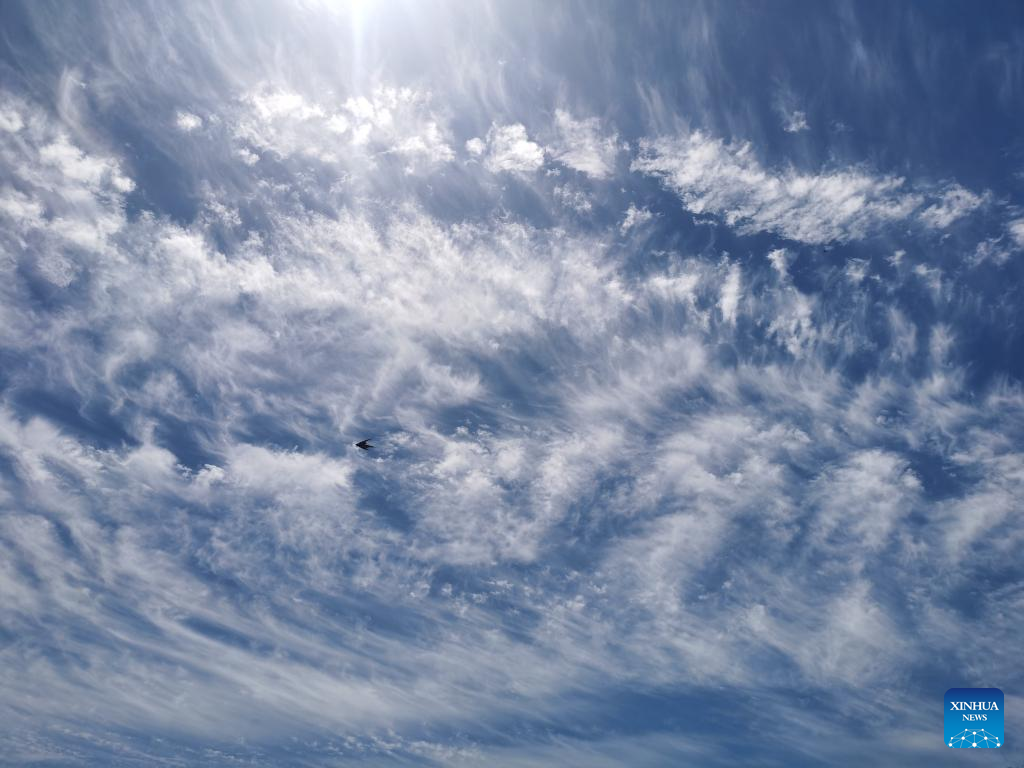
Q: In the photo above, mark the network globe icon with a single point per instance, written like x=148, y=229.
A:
x=974, y=738
x=981, y=710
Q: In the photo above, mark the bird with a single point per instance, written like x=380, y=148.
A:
x=364, y=444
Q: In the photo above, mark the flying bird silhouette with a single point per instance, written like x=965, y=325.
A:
x=364, y=444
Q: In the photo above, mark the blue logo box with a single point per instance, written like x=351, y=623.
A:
x=974, y=718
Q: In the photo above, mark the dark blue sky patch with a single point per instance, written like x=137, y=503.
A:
x=91, y=420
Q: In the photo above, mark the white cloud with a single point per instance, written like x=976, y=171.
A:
x=635, y=217
x=508, y=149
x=247, y=156
x=954, y=203
x=583, y=147
x=731, y=293
x=399, y=121
x=792, y=320
x=62, y=201
x=976, y=528
x=787, y=106
x=728, y=180
x=886, y=490
x=794, y=122
x=904, y=336
x=572, y=198
x=188, y=122
x=26, y=211
x=856, y=270
x=1016, y=229
x=992, y=249
x=80, y=168
x=779, y=259
x=429, y=145
x=851, y=640
x=10, y=118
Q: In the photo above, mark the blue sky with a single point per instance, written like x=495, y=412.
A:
x=688, y=334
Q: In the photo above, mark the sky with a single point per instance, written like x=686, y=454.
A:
x=689, y=336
